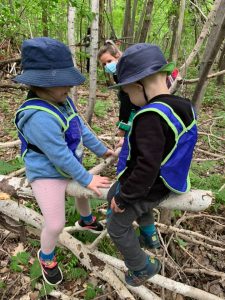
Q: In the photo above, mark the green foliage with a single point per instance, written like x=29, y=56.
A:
x=83, y=101
x=204, y=176
x=2, y=285
x=35, y=272
x=91, y=292
x=9, y=20
x=71, y=214
x=97, y=129
x=4, y=105
x=101, y=108
x=89, y=161
x=68, y=262
x=107, y=246
x=86, y=237
x=214, y=96
x=213, y=182
x=22, y=258
x=181, y=242
x=34, y=243
x=75, y=273
x=45, y=290
x=10, y=166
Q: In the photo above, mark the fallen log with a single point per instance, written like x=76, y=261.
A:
x=10, y=144
x=177, y=287
x=89, y=260
x=97, y=261
x=195, y=200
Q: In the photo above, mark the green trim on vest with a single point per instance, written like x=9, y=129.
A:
x=176, y=115
x=176, y=191
x=65, y=127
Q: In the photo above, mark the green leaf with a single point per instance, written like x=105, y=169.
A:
x=90, y=292
x=181, y=242
x=23, y=258
x=2, y=285
x=45, y=290
x=35, y=272
x=75, y=273
x=14, y=266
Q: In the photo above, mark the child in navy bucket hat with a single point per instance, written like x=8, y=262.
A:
x=52, y=136
x=154, y=160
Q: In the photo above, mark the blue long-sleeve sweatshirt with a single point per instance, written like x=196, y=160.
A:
x=44, y=131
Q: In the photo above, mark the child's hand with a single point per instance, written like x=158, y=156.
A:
x=108, y=153
x=98, y=182
x=115, y=208
x=120, y=143
x=120, y=132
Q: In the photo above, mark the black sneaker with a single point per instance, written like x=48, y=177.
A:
x=137, y=278
x=95, y=226
x=51, y=272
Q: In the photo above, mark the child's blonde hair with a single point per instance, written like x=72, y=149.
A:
x=110, y=47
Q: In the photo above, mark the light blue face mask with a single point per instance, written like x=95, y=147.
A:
x=111, y=67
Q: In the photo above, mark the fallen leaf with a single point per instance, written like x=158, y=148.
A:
x=18, y=249
x=4, y=196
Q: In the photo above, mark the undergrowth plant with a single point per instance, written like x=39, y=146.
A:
x=21, y=263
x=10, y=166
x=101, y=108
x=91, y=292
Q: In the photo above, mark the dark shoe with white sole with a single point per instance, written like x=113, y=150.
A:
x=51, y=272
x=137, y=278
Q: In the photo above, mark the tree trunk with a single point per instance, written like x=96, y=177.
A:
x=214, y=42
x=174, y=24
x=179, y=31
x=140, y=23
x=195, y=200
x=93, y=60
x=44, y=16
x=127, y=23
x=221, y=66
x=71, y=43
x=203, y=34
x=197, y=47
x=131, y=32
x=101, y=33
x=147, y=21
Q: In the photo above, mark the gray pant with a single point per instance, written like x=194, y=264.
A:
x=122, y=233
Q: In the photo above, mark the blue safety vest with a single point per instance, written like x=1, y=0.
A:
x=174, y=169
x=71, y=127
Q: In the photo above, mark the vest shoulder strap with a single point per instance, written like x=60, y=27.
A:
x=43, y=105
x=167, y=113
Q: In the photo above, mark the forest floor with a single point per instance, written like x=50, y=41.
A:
x=194, y=261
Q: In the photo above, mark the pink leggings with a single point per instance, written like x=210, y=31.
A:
x=50, y=196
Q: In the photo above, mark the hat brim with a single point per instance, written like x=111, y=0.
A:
x=51, y=78
x=168, y=68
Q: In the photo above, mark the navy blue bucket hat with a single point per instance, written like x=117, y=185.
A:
x=139, y=61
x=48, y=63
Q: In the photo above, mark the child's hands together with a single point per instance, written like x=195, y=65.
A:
x=120, y=143
x=98, y=182
x=108, y=153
